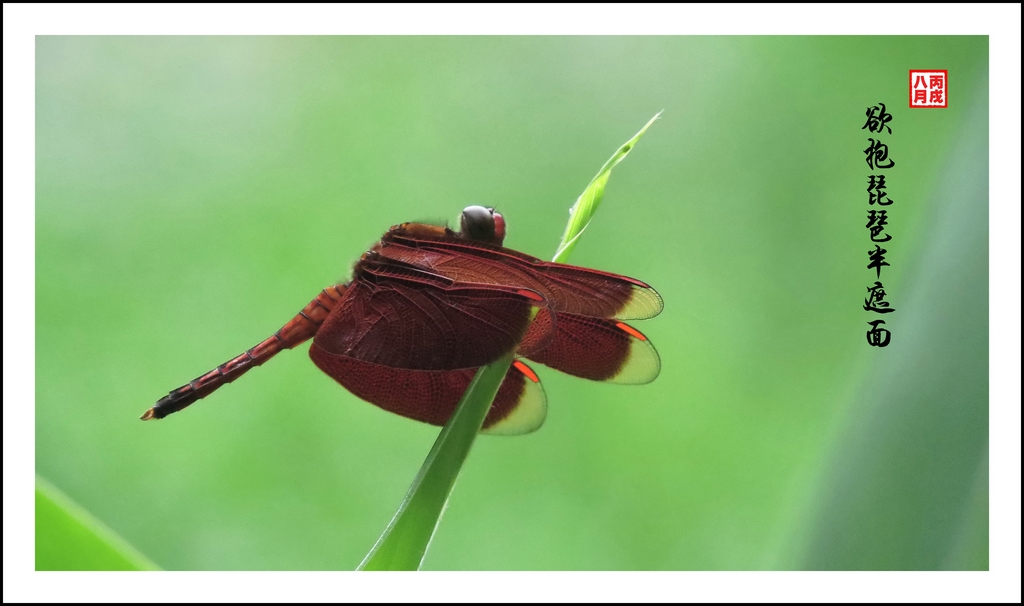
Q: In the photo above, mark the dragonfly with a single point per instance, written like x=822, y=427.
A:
x=427, y=306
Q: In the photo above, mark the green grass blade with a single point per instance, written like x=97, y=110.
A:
x=404, y=542
x=70, y=538
x=588, y=202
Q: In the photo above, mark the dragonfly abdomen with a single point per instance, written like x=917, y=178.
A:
x=298, y=330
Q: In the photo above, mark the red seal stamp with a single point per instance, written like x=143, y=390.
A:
x=929, y=88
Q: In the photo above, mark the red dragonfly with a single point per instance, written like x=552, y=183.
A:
x=427, y=306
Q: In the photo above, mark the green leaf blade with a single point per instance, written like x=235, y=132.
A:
x=589, y=201
x=70, y=538
x=404, y=542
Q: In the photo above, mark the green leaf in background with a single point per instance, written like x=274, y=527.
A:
x=404, y=542
x=70, y=538
x=918, y=424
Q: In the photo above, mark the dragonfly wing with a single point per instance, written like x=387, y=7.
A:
x=600, y=350
x=421, y=322
x=430, y=396
x=568, y=288
x=524, y=406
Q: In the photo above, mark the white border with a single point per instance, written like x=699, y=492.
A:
x=23, y=22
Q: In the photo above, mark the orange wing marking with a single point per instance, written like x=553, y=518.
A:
x=627, y=328
x=527, y=371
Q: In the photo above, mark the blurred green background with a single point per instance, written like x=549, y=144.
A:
x=192, y=194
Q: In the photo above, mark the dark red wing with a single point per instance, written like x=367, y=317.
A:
x=431, y=396
x=568, y=289
x=600, y=350
x=400, y=317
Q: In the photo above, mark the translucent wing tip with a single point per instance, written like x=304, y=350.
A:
x=644, y=303
x=530, y=410
x=642, y=364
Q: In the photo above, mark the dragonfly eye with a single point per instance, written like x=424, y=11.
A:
x=499, y=228
x=478, y=224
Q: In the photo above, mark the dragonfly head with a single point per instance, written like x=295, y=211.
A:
x=482, y=224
